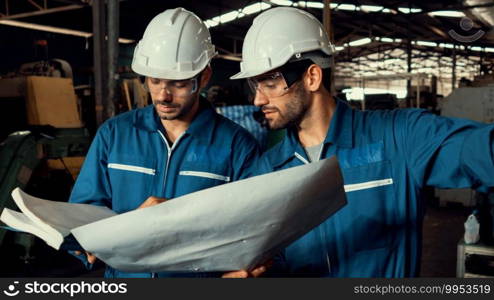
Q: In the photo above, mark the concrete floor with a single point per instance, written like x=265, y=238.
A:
x=443, y=228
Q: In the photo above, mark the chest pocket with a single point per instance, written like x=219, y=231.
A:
x=131, y=179
x=371, y=206
x=370, y=217
x=195, y=176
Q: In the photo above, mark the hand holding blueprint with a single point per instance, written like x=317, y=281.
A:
x=229, y=227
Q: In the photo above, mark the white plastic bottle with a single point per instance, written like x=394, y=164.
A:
x=472, y=227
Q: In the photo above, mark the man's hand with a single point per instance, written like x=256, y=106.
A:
x=258, y=271
x=90, y=257
x=151, y=201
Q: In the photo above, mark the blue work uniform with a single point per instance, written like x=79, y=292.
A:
x=130, y=160
x=386, y=158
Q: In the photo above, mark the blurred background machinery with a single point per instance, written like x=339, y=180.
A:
x=43, y=144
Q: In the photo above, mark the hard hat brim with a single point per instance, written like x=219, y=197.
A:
x=165, y=74
x=248, y=74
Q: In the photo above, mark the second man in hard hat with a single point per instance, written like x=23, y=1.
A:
x=386, y=157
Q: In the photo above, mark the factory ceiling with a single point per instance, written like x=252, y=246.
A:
x=364, y=28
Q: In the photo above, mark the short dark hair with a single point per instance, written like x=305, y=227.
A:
x=296, y=67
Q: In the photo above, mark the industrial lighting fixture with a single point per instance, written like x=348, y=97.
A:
x=310, y=4
x=360, y=42
x=371, y=8
x=255, y=8
x=230, y=16
x=446, y=45
x=237, y=14
x=55, y=30
x=426, y=43
x=282, y=2
x=407, y=10
x=386, y=40
x=350, y=7
x=447, y=13
x=260, y=6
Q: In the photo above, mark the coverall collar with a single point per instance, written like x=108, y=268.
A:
x=340, y=133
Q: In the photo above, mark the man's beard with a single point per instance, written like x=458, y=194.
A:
x=181, y=109
x=295, y=110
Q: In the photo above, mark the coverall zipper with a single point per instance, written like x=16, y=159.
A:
x=169, y=155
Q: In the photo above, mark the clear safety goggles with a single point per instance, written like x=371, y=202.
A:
x=177, y=88
x=270, y=85
x=279, y=82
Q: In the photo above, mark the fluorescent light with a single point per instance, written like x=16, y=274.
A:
x=339, y=48
x=210, y=23
x=360, y=42
x=346, y=7
x=386, y=40
x=407, y=10
x=236, y=14
x=56, y=30
x=489, y=49
x=372, y=8
x=476, y=48
x=426, y=43
x=311, y=4
x=446, y=45
x=230, y=16
x=282, y=2
x=46, y=28
x=255, y=8
x=125, y=41
x=447, y=13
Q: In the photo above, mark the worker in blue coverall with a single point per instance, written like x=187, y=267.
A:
x=176, y=146
x=386, y=157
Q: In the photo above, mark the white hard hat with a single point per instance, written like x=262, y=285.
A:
x=276, y=36
x=176, y=45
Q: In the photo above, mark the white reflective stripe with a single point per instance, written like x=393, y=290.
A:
x=367, y=185
x=132, y=168
x=305, y=161
x=205, y=174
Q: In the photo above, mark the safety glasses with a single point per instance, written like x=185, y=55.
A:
x=270, y=85
x=177, y=88
x=279, y=82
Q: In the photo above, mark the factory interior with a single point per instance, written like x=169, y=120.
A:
x=66, y=68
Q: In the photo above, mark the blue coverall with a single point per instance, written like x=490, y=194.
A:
x=386, y=157
x=130, y=160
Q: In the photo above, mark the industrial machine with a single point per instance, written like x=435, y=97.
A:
x=43, y=144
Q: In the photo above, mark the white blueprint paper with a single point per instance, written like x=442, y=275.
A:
x=229, y=227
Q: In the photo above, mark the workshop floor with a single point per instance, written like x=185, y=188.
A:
x=443, y=228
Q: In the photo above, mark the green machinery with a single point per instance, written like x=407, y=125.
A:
x=23, y=151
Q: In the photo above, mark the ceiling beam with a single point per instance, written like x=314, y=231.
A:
x=42, y=12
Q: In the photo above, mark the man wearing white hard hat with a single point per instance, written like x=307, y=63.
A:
x=176, y=146
x=386, y=157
